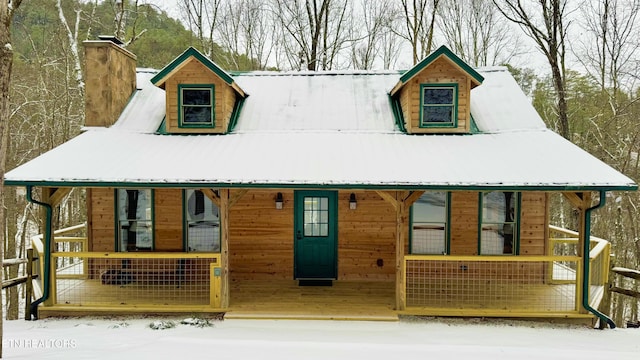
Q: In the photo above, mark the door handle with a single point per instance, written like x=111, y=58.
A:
x=299, y=235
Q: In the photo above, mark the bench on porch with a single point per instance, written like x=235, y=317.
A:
x=146, y=271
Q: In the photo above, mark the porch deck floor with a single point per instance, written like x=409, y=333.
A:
x=284, y=299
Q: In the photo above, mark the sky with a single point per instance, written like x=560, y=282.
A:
x=477, y=339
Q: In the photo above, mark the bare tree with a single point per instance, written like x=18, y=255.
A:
x=125, y=17
x=313, y=31
x=419, y=18
x=7, y=10
x=73, y=43
x=544, y=22
x=610, y=48
x=245, y=29
x=202, y=18
x=367, y=32
x=475, y=31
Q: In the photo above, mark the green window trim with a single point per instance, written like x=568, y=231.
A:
x=210, y=123
x=425, y=123
x=516, y=223
x=116, y=208
x=447, y=232
x=185, y=225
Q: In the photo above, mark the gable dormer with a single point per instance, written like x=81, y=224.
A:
x=200, y=97
x=434, y=95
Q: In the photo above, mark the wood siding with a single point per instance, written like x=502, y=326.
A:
x=194, y=72
x=167, y=223
x=261, y=237
x=440, y=71
x=102, y=219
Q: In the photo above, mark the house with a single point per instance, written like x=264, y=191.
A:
x=342, y=195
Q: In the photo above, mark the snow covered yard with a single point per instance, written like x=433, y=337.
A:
x=128, y=338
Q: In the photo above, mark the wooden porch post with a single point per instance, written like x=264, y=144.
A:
x=224, y=247
x=401, y=202
x=400, y=241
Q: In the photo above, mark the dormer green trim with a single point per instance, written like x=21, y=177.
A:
x=476, y=78
x=160, y=78
x=442, y=50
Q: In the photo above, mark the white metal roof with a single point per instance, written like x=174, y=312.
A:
x=326, y=129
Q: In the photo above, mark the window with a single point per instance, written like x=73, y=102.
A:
x=429, y=230
x=202, y=219
x=135, y=219
x=438, y=105
x=316, y=216
x=196, y=104
x=499, y=223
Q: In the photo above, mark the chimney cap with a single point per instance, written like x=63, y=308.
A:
x=111, y=38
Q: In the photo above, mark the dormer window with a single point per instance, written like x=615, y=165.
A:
x=196, y=104
x=439, y=105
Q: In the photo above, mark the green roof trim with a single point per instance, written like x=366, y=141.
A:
x=442, y=50
x=397, y=113
x=191, y=51
x=237, y=107
x=474, y=126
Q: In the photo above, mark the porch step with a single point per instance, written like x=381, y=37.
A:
x=244, y=315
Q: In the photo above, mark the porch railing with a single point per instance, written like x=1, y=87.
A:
x=515, y=286
x=563, y=240
x=127, y=280
x=490, y=285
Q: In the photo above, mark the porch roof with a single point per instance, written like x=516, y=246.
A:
x=327, y=129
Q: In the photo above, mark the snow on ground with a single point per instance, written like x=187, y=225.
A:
x=132, y=338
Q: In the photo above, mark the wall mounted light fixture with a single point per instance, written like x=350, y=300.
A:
x=353, y=203
x=279, y=201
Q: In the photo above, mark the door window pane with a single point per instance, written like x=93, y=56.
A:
x=316, y=216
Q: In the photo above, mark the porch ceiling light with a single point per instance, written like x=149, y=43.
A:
x=353, y=203
x=279, y=201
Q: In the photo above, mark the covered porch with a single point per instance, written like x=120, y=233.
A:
x=497, y=286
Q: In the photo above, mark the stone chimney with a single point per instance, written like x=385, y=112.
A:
x=110, y=79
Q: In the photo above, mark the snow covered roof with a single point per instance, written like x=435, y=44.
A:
x=326, y=129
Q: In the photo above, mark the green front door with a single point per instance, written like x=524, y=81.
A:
x=315, y=235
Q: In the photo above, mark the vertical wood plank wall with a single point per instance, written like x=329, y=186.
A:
x=101, y=219
x=194, y=72
x=440, y=71
x=261, y=237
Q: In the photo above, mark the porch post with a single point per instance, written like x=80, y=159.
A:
x=224, y=247
x=400, y=241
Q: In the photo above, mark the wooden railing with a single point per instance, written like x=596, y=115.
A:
x=599, y=259
x=126, y=280
x=514, y=286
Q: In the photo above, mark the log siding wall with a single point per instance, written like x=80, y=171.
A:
x=261, y=237
x=194, y=72
x=443, y=72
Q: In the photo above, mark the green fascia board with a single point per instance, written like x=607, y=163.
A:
x=253, y=185
x=191, y=51
x=397, y=113
x=442, y=50
x=237, y=108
